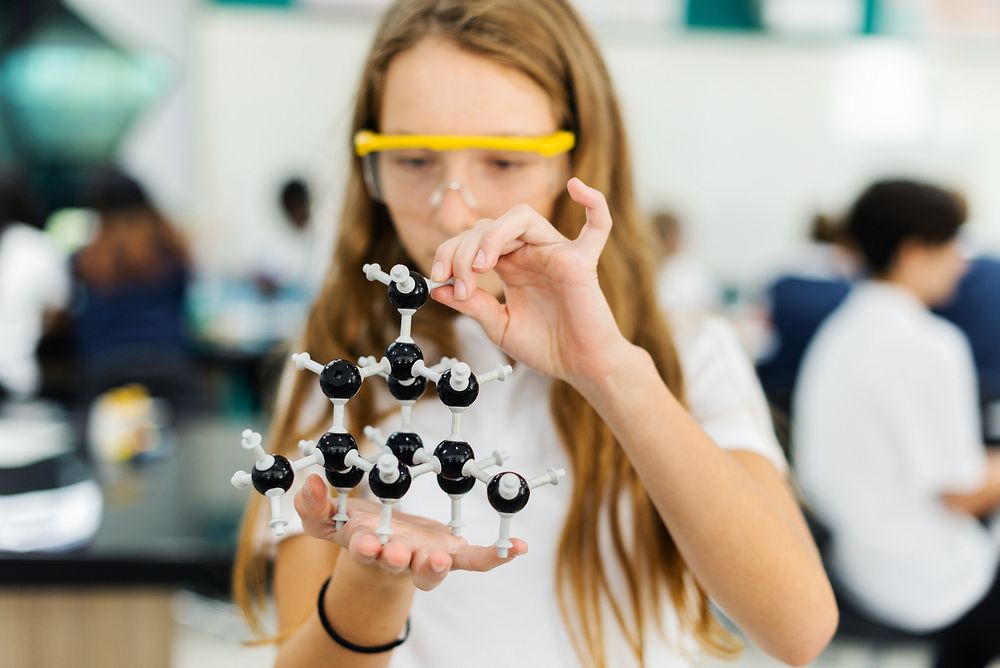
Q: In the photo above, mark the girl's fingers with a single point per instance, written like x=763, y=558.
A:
x=594, y=234
x=364, y=546
x=466, y=278
x=483, y=307
x=520, y=226
x=429, y=569
x=442, y=269
x=314, y=507
x=483, y=558
x=477, y=250
x=494, y=237
x=395, y=556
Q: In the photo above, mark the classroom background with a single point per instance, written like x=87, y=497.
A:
x=752, y=124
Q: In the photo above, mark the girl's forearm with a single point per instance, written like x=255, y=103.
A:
x=365, y=605
x=750, y=553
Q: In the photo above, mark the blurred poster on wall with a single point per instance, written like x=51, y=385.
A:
x=351, y=7
x=654, y=13
x=814, y=18
x=945, y=18
x=966, y=17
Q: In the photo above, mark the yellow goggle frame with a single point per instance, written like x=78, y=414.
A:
x=367, y=141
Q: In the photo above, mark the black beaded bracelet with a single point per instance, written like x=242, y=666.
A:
x=347, y=644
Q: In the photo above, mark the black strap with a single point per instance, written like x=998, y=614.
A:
x=347, y=644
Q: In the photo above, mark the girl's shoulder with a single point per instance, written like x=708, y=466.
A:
x=705, y=342
x=722, y=391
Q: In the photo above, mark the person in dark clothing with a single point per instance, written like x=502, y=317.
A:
x=976, y=310
x=130, y=284
x=799, y=305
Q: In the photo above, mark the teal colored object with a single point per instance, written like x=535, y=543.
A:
x=69, y=96
x=873, y=16
x=723, y=14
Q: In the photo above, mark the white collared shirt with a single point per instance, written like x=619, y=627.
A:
x=885, y=422
x=510, y=616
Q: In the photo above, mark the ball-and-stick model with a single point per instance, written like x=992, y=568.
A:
x=272, y=476
x=403, y=457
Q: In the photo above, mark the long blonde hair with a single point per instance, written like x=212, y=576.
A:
x=545, y=40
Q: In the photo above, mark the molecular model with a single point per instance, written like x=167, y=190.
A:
x=403, y=457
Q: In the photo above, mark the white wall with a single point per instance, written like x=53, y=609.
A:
x=749, y=137
x=274, y=99
x=744, y=136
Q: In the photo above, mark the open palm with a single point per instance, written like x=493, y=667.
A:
x=419, y=545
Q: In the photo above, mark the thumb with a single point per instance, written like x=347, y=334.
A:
x=312, y=502
x=483, y=307
x=595, y=232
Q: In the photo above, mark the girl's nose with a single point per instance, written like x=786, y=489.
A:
x=454, y=207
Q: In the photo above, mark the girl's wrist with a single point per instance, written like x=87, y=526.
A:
x=617, y=369
x=384, y=597
x=372, y=577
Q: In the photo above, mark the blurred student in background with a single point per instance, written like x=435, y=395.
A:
x=284, y=254
x=976, y=310
x=685, y=286
x=34, y=284
x=811, y=286
x=828, y=253
x=806, y=291
x=887, y=438
x=130, y=283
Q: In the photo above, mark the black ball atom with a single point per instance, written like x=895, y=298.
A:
x=335, y=447
x=413, y=299
x=279, y=476
x=345, y=479
x=410, y=392
x=453, y=455
x=460, y=486
x=340, y=379
x=404, y=444
x=502, y=505
x=402, y=356
x=457, y=398
x=390, y=490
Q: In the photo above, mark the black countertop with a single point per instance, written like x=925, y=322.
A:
x=171, y=520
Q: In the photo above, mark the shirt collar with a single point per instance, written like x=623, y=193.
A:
x=891, y=294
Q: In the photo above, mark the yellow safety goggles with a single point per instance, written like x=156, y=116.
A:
x=367, y=141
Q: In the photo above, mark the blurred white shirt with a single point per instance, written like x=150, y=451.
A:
x=287, y=256
x=885, y=422
x=34, y=278
x=686, y=287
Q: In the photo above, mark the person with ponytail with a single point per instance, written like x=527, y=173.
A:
x=490, y=149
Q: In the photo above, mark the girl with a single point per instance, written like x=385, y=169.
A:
x=675, y=493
